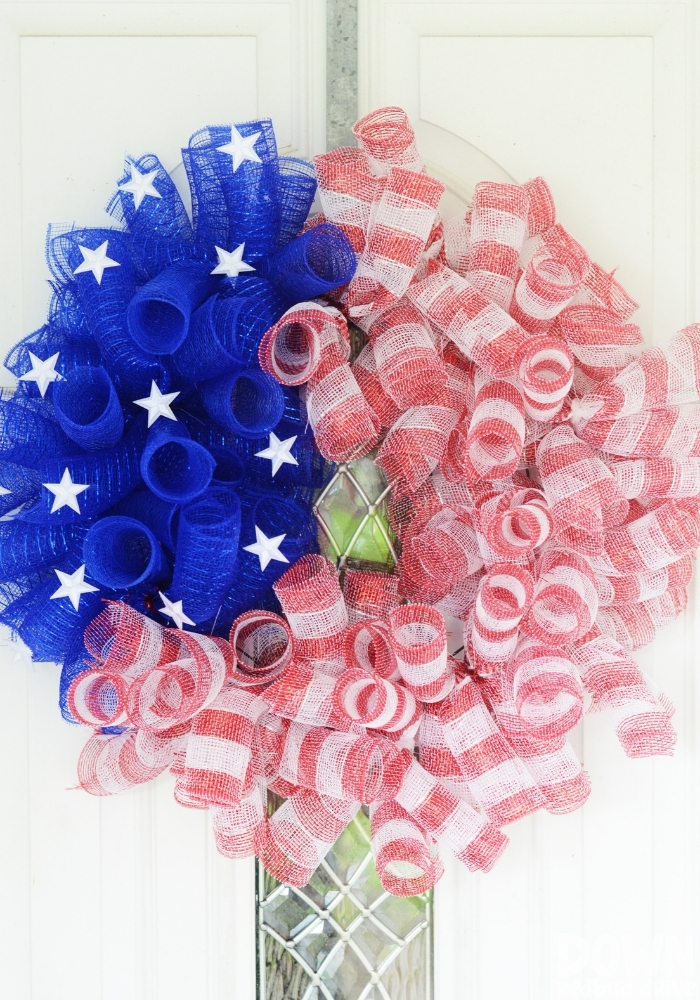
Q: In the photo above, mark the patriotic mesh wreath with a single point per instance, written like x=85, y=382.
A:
x=544, y=472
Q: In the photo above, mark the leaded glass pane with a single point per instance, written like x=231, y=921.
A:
x=342, y=937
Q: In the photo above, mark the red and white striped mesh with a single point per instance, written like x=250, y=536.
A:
x=545, y=370
x=665, y=432
x=661, y=376
x=636, y=625
x=240, y=832
x=498, y=779
x=615, y=682
x=545, y=688
x=126, y=642
x=218, y=769
x=504, y=596
x=444, y=552
x=301, y=832
x=550, y=279
x=454, y=823
x=552, y=763
x=650, y=542
x=114, y=763
x=541, y=212
x=306, y=334
x=580, y=489
x=496, y=431
x=313, y=604
x=565, y=601
x=344, y=424
x=365, y=371
x=347, y=191
x=400, y=225
x=98, y=698
x=601, y=342
x=642, y=586
x=177, y=691
x=369, y=595
x=306, y=693
x=387, y=139
x=376, y=703
x=517, y=522
x=602, y=289
x=409, y=368
x=657, y=478
x=346, y=766
x=456, y=242
x=415, y=444
x=262, y=647
x=433, y=752
x=405, y=857
x=420, y=643
x=480, y=328
x=498, y=227
x=367, y=646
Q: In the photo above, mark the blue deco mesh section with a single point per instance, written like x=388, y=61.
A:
x=135, y=312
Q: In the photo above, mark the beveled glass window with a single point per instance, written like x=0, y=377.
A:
x=342, y=936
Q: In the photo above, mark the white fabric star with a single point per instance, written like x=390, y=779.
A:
x=158, y=404
x=266, y=549
x=278, y=452
x=173, y=609
x=4, y=492
x=240, y=148
x=231, y=263
x=42, y=372
x=65, y=493
x=140, y=185
x=96, y=261
x=73, y=585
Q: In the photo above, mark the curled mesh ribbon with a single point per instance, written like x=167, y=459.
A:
x=177, y=415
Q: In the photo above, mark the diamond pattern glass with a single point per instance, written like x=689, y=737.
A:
x=342, y=937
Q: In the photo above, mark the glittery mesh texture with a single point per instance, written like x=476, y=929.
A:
x=540, y=471
x=498, y=226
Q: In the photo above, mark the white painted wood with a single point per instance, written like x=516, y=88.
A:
x=602, y=100
x=126, y=897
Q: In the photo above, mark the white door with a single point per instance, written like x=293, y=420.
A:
x=601, y=100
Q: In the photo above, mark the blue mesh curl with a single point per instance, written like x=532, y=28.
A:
x=158, y=316
x=121, y=552
x=105, y=305
x=163, y=216
x=312, y=264
x=87, y=408
x=207, y=546
x=25, y=547
x=297, y=188
x=161, y=516
x=173, y=466
x=233, y=207
x=247, y=403
x=109, y=475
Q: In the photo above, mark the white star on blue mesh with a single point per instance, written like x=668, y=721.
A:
x=73, y=585
x=96, y=261
x=278, y=452
x=42, y=372
x=240, y=148
x=266, y=549
x=140, y=185
x=173, y=609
